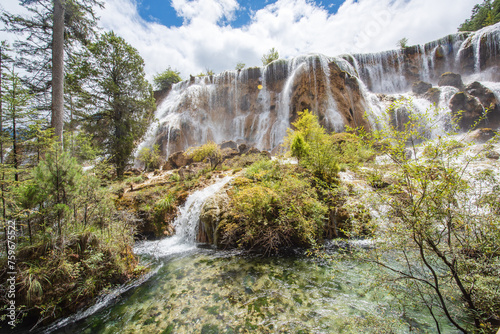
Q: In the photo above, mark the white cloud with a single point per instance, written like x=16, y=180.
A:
x=209, y=10
x=292, y=26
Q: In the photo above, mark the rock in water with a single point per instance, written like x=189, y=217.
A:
x=420, y=87
x=451, y=79
x=466, y=109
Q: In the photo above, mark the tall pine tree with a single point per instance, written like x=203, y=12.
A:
x=50, y=31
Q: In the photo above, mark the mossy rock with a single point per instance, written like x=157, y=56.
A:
x=344, y=137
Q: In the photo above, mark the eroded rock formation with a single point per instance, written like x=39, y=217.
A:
x=255, y=106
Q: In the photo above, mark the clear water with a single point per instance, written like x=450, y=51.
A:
x=195, y=290
x=206, y=291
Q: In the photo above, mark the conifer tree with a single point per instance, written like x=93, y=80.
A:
x=123, y=98
x=50, y=32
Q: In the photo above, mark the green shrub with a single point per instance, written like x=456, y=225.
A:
x=210, y=151
x=313, y=147
x=259, y=169
x=166, y=79
x=279, y=208
x=150, y=157
x=165, y=204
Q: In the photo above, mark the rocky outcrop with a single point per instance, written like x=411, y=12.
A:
x=215, y=211
x=179, y=159
x=451, y=79
x=472, y=103
x=420, y=87
x=466, y=109
x=480, y=136
x=255, y=106
x=433, y=95
x=485, y=95
x=229, y=144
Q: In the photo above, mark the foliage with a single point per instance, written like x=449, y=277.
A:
x=15, y=111
x=402, y=43
x=71, y=242
x=443, y=232
x=240, y=66
x=269, y=57
x=208, y=72
x=165, y=79
x=210, y=151
x=483, y=15
x=276, y=209
x=259, y=169
x=150, y=157
x=314, y=148
x=124, y=98
x=34, y=48
x=165, y=204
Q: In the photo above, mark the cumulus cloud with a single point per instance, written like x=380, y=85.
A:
x=206, y=39
x=294, y=27
x=207, y=10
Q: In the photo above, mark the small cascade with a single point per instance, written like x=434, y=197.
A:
x=263, y=119
x=186, y=225
x=480, y=47
x=382, y=72
x=427, y=61
x=332, y=115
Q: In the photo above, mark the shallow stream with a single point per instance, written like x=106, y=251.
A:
x=206, y=291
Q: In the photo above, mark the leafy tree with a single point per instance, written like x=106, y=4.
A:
x=444, y=230
x=210, y=151
x=150, y=157
x=165, y=79
x=403, y=43
x=240, y=66
x=483, y=15
x=310, y=143
x=124, y=99
x=269, y=57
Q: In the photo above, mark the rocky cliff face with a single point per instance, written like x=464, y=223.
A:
x=255, y=106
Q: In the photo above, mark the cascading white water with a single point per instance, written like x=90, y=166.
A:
x=383, y=71
x=255, y=105
x=186, y=225
x=490, y=37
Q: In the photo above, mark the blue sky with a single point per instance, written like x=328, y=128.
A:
x=161, y=11
x=192, y=36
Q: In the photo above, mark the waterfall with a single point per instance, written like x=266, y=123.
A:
x=186, y=225
x=482, y=42
x=383, y=72
x=255, y=105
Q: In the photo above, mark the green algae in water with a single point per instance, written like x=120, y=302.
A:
x=215, y=292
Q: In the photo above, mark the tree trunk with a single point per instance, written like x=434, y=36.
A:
x=58, y=69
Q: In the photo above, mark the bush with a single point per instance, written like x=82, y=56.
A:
x=445, y=226
x=150, y=157
x=269, y=57
x=166, y=79
x=313, y=147
x=278, y=209
x=210, y=151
